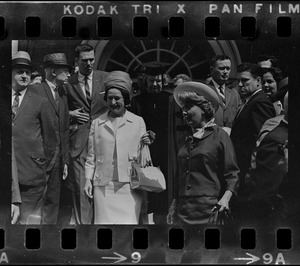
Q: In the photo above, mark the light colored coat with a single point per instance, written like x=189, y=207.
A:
x=102, y=140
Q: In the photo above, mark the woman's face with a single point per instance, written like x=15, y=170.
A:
x=193, y=115
x=116, y=103
x=269, y=84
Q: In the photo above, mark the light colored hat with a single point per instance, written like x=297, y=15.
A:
x=119, y=80
x=200, y=89
x=21, y=58
x=56, y=59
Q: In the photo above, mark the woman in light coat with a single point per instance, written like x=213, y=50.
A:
x=114, y=140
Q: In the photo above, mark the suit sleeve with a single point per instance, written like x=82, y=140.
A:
x=48, y=131
x=261, y=112
x=230, y=167
x=90, y=160
x=16, y=196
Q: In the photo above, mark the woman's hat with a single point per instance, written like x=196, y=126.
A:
x=119, y=80
x=56, y=59
x=200, y=89
x=21, y=58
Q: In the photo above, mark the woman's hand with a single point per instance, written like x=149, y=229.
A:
x=148, y=138
x=88, y=188
x=224, y=201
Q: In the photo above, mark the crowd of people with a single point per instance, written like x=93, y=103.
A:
x=221, y=148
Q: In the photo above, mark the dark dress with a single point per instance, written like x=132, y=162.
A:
x=207, y=168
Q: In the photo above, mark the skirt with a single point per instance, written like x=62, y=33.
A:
x=117, y=203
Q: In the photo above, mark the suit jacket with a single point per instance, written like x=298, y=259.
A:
x=80, y=132
x=102, y=140
x=247, y=125
x=270, y=171
x=33, y=139
x=59, y=120
x=226, y=112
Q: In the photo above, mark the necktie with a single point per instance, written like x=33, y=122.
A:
x=222, y=94
x=56, y=96
x=15, y=103
x=87, y=90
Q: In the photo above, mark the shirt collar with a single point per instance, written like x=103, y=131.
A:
x=217, y=86
x=82, y=77
x=21, y=92
x=51, y=85
x=248, y=98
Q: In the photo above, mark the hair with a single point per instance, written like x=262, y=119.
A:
x=275, y=72
x=125, y=94
x=187, y=97
x=83, y=48
x=218, y=57
x=35, y=74
x=184, y=77
x=266, y=57
x=255, y=70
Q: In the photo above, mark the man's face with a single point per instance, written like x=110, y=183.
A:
x=247, y=84
x=21, y=77
x=154, y=83
x=61, y=75
x=86, y=62
x=265, y=64
x=220, y=71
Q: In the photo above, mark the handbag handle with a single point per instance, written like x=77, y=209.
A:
x=144, y=156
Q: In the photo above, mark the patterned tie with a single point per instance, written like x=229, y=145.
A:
x=15, y=104
x=222, y=94
x=87, y=90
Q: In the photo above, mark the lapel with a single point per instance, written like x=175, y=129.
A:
x=228, y=94
x=221, y=103
x=103, y=119
x=50, y=97
x=78, y=90
x=95, y=82
x=241, y=111
x=27, y=96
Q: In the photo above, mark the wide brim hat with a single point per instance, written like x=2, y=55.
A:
x=200, y=89
x=21, y=58
x=56, y=60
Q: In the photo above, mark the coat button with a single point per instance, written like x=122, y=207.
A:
x=187, y=157
x=188, y=187
x=187, y=172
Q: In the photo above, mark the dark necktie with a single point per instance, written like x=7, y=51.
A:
x=87, y=90
x=56, y=96
x=15, y=103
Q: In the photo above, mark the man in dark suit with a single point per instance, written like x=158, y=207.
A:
x=255, y=110
x=33, y=139
x=229, y=99
x=85, y=93
x=57, y=73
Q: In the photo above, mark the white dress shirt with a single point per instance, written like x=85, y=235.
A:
x=81, y=79
x=20, y=96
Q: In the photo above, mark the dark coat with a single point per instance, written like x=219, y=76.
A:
x=226, y=113
x=33, y=139
x=246, y=127
x=76, y=99
x=59, y=120
x=205, y=171
x=270, y=169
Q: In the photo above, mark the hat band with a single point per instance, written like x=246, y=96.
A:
x=21, y=61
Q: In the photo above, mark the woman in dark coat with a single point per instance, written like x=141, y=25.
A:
x=207, y=168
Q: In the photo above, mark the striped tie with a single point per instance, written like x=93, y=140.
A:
x=15, y=104
x=222, y=94
x=87, y=90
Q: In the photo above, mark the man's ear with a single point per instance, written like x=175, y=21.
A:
x=53, y=72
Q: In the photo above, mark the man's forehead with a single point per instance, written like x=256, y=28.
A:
x=157, y=77
x=87, y=55
x=265, y=64
x=245, y=74
x=225, y=62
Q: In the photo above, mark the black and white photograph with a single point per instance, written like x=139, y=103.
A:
x=161, y=149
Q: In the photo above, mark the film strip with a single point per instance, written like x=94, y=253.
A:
x=183, y=35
